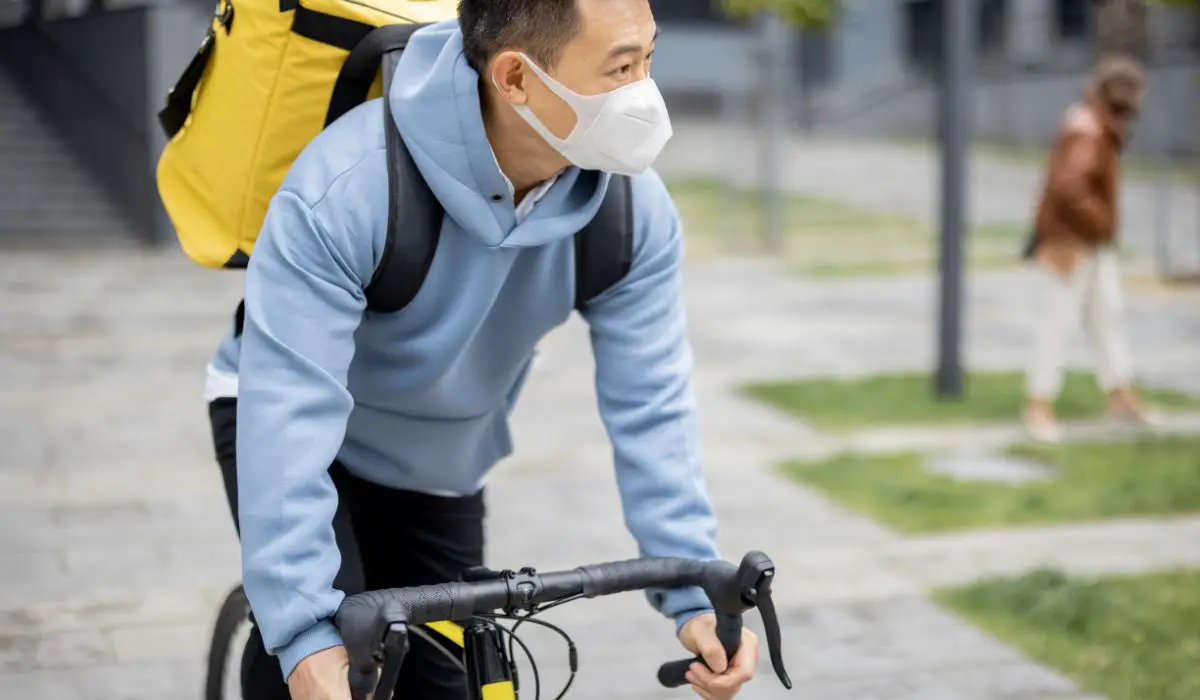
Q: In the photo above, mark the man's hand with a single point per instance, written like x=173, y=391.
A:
x=322, y=676
x=725, y=679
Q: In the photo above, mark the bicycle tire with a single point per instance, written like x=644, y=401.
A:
x=235, y=612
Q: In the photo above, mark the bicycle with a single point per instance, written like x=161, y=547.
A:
x=375, y=625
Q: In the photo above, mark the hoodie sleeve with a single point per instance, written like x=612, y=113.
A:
x=304, y=301
x=643, y=382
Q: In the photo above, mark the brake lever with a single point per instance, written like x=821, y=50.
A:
x=732, y=594
x=766, y=608
x=375, y=658
x=395, y=648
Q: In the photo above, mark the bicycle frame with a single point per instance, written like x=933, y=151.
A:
x=488, y=668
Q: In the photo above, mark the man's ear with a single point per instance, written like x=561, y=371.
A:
x=508, y=76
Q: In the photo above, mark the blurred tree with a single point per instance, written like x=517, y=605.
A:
x=807, y=14
x=774, y=91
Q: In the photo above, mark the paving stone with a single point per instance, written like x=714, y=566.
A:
x=161, y=642
x=999, y=469
x=133, y=681
x=1021, y=681
x=887, y=638
x=127, y=608
x=897, y=687
x=61, y=650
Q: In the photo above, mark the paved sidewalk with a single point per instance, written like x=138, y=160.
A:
x=904, y=180
x=117, y=544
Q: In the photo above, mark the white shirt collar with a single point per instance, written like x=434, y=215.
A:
x=525, y=208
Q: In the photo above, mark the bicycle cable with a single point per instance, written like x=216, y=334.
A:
x=572, y=651
x=537, y=681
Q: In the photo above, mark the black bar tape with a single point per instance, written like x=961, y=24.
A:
x=640, y=574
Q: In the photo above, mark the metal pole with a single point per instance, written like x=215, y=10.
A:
x=955, y=119
x=773, y=134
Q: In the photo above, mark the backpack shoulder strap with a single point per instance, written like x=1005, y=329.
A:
x=414, y=221
x=604, y=248
x=405, y=263
x=358, y=73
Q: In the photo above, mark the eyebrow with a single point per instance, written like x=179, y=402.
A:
x=622, y=49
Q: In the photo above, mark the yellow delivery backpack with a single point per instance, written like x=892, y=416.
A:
x=269, y=76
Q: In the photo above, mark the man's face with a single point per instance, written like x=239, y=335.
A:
x=612, y=49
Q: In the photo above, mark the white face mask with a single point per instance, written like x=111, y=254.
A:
x=621, y=132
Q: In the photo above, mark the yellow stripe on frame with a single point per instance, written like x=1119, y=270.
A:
x=499, y=691
x=449, y=630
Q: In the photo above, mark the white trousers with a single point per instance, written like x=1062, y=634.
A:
x=1092, y=291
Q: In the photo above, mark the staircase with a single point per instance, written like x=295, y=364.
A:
x=46, y=196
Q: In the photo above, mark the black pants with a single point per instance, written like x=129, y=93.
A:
x=388, y=539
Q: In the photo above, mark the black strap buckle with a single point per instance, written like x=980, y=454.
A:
x=224, y=14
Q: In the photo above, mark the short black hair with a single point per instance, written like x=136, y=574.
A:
x=540, y=28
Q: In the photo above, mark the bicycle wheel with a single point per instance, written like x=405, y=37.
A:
x=224, y=680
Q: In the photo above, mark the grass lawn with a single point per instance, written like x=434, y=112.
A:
x=909, y=399
x=824, y=237
x=1127, y=638
x=1134, y=167
x=1152, y=476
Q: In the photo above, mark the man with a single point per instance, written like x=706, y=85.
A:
x=510, y=115
x=1075, y=244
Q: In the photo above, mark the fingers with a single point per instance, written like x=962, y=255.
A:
x=722, y=686
x=714, y=655
x=699, y=675
x=701, y=678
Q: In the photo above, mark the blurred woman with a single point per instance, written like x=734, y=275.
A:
x=1074, y=244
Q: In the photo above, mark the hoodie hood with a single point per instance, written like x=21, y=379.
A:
x=435, y=102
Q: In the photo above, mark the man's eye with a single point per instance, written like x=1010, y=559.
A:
x=623, y=70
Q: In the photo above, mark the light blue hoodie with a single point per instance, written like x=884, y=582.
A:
x=420, y=399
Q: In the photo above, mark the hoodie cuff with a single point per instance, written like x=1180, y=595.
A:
x=685, y=617
x=683, y=604
x=319, y=637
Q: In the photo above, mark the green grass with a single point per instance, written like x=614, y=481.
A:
x=909, y=399
x=824, y=237
x=1133, y=167
x=1127, y=638
x=1095, y=480
x=899, y=266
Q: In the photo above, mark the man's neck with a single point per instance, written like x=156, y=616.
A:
x=524, y=157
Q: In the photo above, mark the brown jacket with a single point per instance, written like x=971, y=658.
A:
x=1078, y=207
